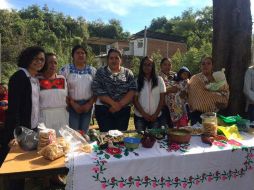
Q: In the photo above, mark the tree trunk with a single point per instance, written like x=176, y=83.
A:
x=232, y=29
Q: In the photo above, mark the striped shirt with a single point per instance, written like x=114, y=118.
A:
x=203, y=100
x=116, y=86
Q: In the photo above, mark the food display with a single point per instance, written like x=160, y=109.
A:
x=194, y=130
x=210, y=129
x=46, y=137
x=179, y=136
x=52, y=151
x=87, y=148
x=209, y=122
x=157, y=133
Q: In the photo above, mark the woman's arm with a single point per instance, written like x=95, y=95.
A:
x=82, y=108
x=140, y=109
x=159, y=107
x=127, y=98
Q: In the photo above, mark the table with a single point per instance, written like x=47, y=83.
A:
x=21, y=164
x=196, y=165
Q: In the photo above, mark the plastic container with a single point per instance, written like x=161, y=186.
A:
x=131, y=142
x=209, y=122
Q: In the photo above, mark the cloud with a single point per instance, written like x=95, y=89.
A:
x=4, y=4
x=122, y=8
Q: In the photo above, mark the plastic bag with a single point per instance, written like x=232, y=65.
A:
x=230, y=120
x=52, y=151
x=26, y=138
x=74, y=138
x=231, y=132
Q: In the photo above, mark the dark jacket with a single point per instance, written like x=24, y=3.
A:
x=20, y=103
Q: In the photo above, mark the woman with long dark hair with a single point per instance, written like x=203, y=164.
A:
x=149, y=99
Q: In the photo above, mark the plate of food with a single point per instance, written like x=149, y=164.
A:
x=195, y=129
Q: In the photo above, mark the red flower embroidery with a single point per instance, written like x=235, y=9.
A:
x=46, y=84
x=114, y=151
x=234, y=142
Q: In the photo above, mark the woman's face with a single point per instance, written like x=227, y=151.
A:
x=52, y=64
x=79, y=56
x=166, y=67
x=37, y=62
x=148, y=67
x=207, y=66
x=114, y=61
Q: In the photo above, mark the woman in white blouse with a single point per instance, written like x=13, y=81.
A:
x=149, y=99
x=53, y=93
x=79, y=76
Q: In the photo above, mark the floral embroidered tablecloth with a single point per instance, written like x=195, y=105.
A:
x=224, y=165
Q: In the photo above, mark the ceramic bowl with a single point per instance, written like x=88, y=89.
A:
x=179, y=136
x=131, y=142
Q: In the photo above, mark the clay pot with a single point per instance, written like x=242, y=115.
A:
x=179, y=136
x=148, y=140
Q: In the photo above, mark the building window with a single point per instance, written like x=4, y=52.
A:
x=140, y=43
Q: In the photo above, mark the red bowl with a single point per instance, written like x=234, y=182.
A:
x=148, y=141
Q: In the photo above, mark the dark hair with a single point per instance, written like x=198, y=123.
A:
x=76, y=47
x=141, y=75
x=164, y=59
x=47, y=56
x=205, y=58
x=26, y=57
x=116, y=51
x=183, y=69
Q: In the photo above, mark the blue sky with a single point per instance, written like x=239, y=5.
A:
x=133, y=14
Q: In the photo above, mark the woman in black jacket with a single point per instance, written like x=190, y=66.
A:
x=23, y=92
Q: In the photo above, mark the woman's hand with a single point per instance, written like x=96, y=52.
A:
x=115, y=107
x=12, y=143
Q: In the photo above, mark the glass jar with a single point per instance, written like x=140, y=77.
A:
x=209, y=122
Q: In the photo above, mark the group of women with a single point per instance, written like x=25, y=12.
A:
x=38, y=94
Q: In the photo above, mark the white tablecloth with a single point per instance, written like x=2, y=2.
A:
x=195, y=166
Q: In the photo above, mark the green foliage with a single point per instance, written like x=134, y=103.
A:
x=135, y=62
x=35, y=26
x=59, y=33
x=195, y=26
x=157, y=57
x=191, y=58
